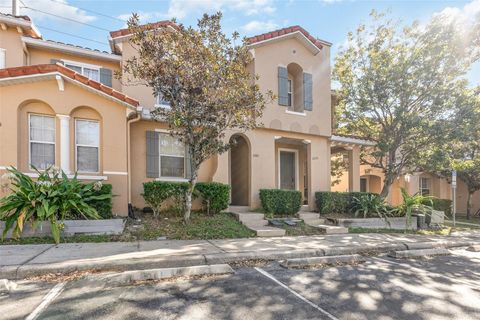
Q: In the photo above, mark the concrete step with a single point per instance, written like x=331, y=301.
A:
x=308, y=215
x=332, y=229
x=240, y=209
x=250, y=216
x=304, y=208
x=314, y=222
x=255, y=224
x=269, y=232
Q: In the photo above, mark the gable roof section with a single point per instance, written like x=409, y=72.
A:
x=148, y=26
x=56, y=69
x=315, y=45
x=23, y=22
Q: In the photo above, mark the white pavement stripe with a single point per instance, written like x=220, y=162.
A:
x=474, y=285
x=51, y=295
x=268, y=275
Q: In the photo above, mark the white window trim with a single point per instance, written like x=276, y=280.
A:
x=290, y=92
x=83, y=66
x=297, y=178
x=4, y=62
x=296, y=113
x=160, y=105
x=35, y=141
x=70, y=176
x=84, y=145
x=168, y=178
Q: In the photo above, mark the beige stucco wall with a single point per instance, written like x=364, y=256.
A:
x=138, y=146
x=267, y=60
x=16, y=101
x=10, y=40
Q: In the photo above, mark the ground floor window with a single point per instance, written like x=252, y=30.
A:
x=424, y=186
x=172, y=157
x=87, y=142
x=41, y=141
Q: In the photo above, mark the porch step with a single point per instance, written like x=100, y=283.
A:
x=238, y=209
x=332, y=229
x=258, y=223
x=308, y=215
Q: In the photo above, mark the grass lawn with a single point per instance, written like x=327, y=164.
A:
x=168, y=224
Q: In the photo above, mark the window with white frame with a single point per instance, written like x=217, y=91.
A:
x=41, y=141
x=424, y=186
x=89, y=71
x=160, y=102
x=87, y=142
x=290, y=92
x=3, y=58
x=172, y=157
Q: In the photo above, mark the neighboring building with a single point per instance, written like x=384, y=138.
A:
x=61, y=105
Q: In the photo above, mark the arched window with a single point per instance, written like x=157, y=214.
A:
x=295, y=88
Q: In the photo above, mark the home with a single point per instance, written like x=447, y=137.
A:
x=62, y=105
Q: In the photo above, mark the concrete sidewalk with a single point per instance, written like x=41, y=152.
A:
x=20, y=261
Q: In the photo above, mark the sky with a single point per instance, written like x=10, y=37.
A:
x=87, y=22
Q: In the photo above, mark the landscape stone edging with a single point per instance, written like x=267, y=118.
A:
x=395, y=223
x=72, y=227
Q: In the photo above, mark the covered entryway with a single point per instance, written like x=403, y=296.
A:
x=240, y=170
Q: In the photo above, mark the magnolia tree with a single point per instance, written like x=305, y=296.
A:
x=203, y=75
x=395, y=82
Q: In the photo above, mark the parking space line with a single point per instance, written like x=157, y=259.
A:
x=47, y=300
x=268, y=275
x=426, y=272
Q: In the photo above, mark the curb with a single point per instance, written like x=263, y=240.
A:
x=128, y=277
x=325, y=260
x=23, y=271
x=420, y=253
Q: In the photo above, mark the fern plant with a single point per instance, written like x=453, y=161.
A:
x=51, y=197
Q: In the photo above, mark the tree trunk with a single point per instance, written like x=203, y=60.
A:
x=387, y=183
x=469, y=204
x=188, y=197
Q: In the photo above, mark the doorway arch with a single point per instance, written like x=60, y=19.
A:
x=240, y=170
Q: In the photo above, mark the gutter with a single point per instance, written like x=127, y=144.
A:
x=129, y=166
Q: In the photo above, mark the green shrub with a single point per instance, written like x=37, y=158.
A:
x=103, y=207
x=51, y=197
x=444, y=205
x=281, y=202
x=215, y=196
x=338, y=202
x=370, y=205
x=156, y=193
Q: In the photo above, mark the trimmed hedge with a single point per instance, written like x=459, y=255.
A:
x=281, y=202
x=156, y=192
x=103, y=207
x=215, y=196
x=444, y=205
x=337, y=202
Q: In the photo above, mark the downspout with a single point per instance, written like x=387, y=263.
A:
x=129, y=173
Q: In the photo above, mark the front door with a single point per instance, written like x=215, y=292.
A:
x=287, y=170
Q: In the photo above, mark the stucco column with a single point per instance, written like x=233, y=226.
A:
x=354, y=169
x=64, y=142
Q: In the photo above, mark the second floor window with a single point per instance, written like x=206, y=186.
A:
x=88, y=71
x=161, y=102
x=290, y=92
x=3, y=58
x=87, y=142
x=425, y=186
x=41, y=141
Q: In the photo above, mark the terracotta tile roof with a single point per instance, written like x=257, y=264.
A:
x=284, y=31
x=148, y=26
x=30, y=30
x=48, y=68
x=26, y=18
